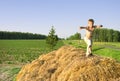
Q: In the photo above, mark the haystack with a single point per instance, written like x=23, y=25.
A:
x=70, y=64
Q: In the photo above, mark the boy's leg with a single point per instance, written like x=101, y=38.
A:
x=87, y=50
x=90, y=49
x=90, y=46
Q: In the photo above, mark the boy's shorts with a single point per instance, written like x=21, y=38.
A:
x=88, y=41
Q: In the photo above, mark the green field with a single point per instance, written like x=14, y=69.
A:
x=106, y=49
x=22, y=51
x=15, y=53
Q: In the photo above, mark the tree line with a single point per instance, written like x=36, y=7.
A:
x=106, y=35
x=20, y=35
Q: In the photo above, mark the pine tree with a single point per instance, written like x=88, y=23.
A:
x=52, y=39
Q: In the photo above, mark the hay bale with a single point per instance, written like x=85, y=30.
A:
x=70, y=64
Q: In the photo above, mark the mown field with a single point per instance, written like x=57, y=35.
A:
x=15, y=53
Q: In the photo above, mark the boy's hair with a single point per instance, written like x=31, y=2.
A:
x=91, y=20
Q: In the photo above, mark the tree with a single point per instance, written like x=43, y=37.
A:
x=52, y=39
x=110, y=35
x=76, y=36
x=95, y=35
x=116, y=36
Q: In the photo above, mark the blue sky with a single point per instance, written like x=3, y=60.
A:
x=37, y=16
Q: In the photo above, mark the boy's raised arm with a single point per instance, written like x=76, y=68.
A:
x=98, y=26
x=83, y=27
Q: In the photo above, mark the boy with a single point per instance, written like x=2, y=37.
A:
x=88, y=37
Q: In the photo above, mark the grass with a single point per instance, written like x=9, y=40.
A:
x=8, y=72
x=106, y=49
x=22, y=51
x=15, y=53
x=19, y=52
